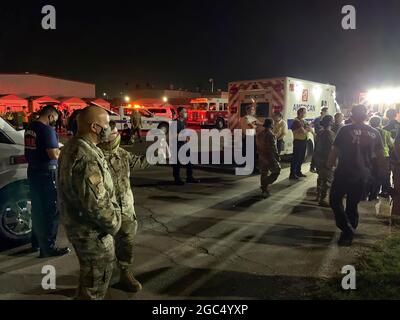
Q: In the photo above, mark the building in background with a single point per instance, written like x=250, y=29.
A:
x=34, y=91
x=28, y=85
x=173, y=97
x=160, y=94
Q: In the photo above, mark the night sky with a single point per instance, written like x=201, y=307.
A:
x=117, y=44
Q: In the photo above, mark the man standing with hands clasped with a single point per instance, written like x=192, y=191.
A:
x=301, y=130
x=88, y=205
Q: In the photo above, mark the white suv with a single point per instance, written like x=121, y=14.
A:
x=15, y=203
x=149, y=120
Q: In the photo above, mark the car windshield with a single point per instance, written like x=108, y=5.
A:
x=5, y=126
x=146, y=113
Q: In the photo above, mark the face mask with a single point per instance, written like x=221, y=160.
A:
x=111, y=146
x=104, y=134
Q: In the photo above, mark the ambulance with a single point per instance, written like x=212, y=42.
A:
x=285, y=95
x=211, y=112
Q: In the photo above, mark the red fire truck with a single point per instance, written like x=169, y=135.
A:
x=208, y=112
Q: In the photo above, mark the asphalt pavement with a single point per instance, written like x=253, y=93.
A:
x=215, y=240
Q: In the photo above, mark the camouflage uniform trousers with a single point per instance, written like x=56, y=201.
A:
x=324, y=181
x=269, y=174
x=124, y=242
x=97, y=255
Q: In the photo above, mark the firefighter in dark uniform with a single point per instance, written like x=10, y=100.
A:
x=42, y=152
x=181, y=124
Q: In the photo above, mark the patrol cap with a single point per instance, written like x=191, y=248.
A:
x=268, y=123
x=326, y=121
x=375, y=121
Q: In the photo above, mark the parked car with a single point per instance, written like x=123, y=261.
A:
x=121, y=115
x=15, y=201
x=169, y=112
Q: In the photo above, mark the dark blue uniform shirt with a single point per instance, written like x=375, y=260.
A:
x=38, y=138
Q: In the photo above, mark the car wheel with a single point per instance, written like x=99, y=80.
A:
x=220, y=124
x=15, y=213
x=164, y=127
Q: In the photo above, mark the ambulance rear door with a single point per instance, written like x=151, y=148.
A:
x=259, y=98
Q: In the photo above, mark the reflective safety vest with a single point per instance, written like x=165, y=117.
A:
x=296, y=134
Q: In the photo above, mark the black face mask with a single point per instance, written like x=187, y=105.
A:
x=52, y=123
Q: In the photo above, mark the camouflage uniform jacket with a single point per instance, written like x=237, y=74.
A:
x=266, y=148
x=323, y=147
x=120, y=163
x=87, y=201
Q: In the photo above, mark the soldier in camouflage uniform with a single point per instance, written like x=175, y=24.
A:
x=120, y=163
x=268, y=157
x=323, y=147
x=87, y=202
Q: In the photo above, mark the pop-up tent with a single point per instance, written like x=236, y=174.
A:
x=72, y=104
x=98, y=102
x=14, y=102
x=38, y=102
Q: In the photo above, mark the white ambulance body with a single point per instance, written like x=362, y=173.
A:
x=285, y=95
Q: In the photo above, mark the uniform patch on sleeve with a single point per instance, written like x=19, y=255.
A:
x=95, y=179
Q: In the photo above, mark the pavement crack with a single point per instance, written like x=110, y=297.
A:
x=152, y=217
x=171, y=233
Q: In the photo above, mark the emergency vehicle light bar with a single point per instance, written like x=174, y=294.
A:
x=199, y=100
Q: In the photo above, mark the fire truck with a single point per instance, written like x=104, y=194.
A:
x=286, y=95
x=211, y=112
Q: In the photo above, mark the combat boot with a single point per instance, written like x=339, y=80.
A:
x=323, y=203
x=322, y=200
x=265, y=193
x=318, y=196
x=128, y=282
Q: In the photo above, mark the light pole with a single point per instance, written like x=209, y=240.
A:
x=212, y=85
